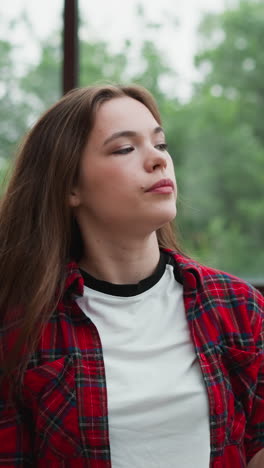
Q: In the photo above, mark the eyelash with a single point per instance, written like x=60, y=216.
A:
x=128, y=149
x=162, y=146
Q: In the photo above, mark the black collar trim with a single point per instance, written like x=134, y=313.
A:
x=128, y=290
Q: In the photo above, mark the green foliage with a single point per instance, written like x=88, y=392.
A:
x=41, y=85
x=236, y=62
x=224, y=156
x=12, y=109
x=98, y=64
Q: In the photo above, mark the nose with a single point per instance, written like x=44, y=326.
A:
x=155, y=159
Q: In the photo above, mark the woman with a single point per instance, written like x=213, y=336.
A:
x=111, y=337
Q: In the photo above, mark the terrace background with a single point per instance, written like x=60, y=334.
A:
x=215, y=130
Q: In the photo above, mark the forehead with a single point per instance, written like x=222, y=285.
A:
x=123, y=113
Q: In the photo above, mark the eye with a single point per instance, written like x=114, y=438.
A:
x=162, y=146
x=125, y=150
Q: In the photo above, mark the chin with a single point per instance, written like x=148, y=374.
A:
x=163, y=217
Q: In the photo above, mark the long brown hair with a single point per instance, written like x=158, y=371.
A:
x=37, y=230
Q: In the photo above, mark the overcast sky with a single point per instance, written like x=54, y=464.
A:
x=114, y=20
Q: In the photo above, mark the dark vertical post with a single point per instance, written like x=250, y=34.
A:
x=70, y=46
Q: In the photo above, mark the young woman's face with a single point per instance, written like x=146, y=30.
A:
x=124, y=158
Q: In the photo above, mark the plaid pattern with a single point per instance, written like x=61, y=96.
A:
x=62, y=420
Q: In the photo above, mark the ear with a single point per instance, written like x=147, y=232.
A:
x=74, y=199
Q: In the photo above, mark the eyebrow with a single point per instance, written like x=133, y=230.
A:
x=129, y=133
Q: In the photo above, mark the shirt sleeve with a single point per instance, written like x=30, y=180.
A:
x=254, y=436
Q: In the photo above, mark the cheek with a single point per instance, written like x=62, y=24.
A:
x=172, y=174
x=171, y=168
x=102, y=182
x=90, y=177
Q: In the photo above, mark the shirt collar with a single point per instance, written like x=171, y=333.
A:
x=74, y=281
x=189, y=271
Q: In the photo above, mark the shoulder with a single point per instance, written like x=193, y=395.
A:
x=217, y=288
x=214, y=280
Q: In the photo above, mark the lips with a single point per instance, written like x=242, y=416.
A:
x=162, y=186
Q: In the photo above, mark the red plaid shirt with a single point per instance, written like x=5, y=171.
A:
x=63, y=423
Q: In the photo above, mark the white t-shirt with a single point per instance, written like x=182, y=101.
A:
x=157, y=402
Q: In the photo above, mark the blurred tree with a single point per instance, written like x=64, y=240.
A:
x=41, y=84
x=13, y=110
x=98, y=64
x=232, y=54
x=223, y=161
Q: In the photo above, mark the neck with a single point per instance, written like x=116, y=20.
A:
x=120, y=262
